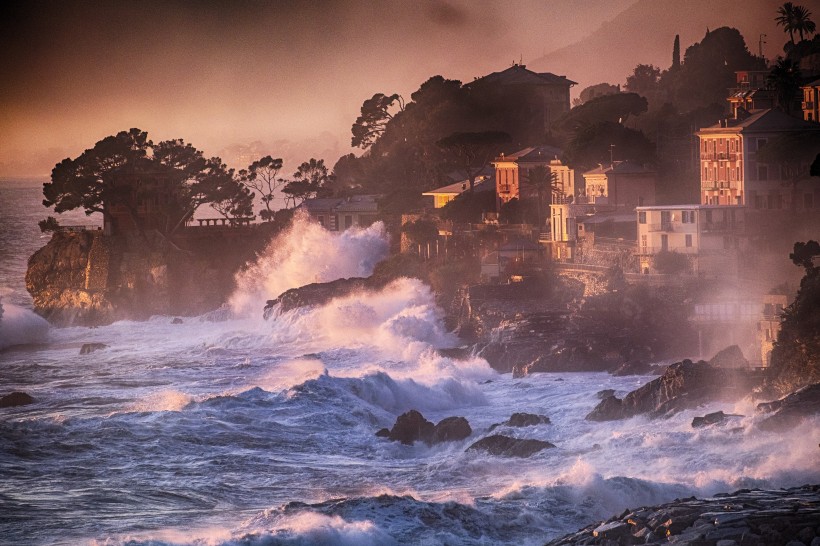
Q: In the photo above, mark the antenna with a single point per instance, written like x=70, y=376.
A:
x=760, y=46
x=611, y=155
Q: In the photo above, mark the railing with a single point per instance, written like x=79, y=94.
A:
x=652, y=250
x=807, y=105
x=79, y=228
x=663, y=226
x=226, y=222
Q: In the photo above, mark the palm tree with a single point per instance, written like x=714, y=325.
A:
x=802, y=23
x=795, y=19
x=784, y=79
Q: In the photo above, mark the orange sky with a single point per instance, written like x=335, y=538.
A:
x=229, y=72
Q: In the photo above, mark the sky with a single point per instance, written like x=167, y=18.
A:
x=287, y=77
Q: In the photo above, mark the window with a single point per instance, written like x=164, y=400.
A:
x=642, y=217
x=763, y=172
x=643, y=241
x=688, y=241
x=664, y=242
x=759, y=204
x=761, y=142
x=348, y=221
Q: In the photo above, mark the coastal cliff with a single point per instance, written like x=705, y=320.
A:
x=87, y=278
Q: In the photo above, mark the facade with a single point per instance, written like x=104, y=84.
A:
x=512, y=170
x=769, y=325
x=445, y=194
x=729, y=171
x=811, y=101
x=709, y=235
x=751, y=93
x=622, y=183
x=339, y=214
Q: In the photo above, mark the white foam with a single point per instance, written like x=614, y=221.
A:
x=306, y=253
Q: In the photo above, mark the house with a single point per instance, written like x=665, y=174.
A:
x=811, y=101
x=622, y=183
x=751, y=93
x=709, y=235
x=443, y=195
x=512, y=172
x=338, y=214
x=148, y=201
x=729, y=171
x=541, y=96
x=769, y=325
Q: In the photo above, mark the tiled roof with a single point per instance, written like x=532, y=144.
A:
x=459, y=187
x=519, y=75
x=769, y=120
x=620, y=167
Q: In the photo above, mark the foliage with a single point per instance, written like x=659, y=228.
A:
x=644, y=80
x=670, y=262
x=793, y=153
x=795, y=19
x=395, y=266
x=473, y=151
x=49, y=224
x=591, y=145
x=260, y=176
x=614, y=108
x=595, y=91
x=676, y=53
x=784, y=78
x=126, y=169
x=796, y=354
x=421, y=231
x=468, y=208
x=310, y=180
x=375, y=115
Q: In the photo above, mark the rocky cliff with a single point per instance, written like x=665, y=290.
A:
x=88, y=278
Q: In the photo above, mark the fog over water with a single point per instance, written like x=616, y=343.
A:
x=232, y=431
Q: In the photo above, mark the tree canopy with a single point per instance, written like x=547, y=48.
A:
x=310, y=180
x=474, y=151
x=127, y=169
x=260, y=176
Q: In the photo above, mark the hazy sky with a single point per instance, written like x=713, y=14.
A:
x=228, y=72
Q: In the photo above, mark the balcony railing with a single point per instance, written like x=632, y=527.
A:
x=663, y=226
x=719, y=156
x=807, y=105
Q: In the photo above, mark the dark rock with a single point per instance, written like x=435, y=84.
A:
x=411, y=427
x=16, y=399
x=609, y=409
x=712, y=419
x=683, y=385
x=383, y=433
x=612, y=530
x=790, y=411
x=319, y=293
x=606, y=393
x=89, y=348
x=505, y=446
x=458, y=353
x=730, y=357
x=177, y=320
x=451, y=429
x=527, y=420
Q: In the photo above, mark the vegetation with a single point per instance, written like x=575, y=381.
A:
x=473, y=151
x=48, y=225
x=310, y=180
x=793, y=154
x=795, y=19
x=670, y=262
x=260, y=177
x=796, y=353
x=127, y=169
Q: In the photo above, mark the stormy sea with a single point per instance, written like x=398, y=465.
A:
x=229, y=429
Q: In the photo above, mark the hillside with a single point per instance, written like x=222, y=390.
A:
x=644, y=33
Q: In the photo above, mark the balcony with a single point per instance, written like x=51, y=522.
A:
x=807, y=105
x=720, y=156
x=663, y=226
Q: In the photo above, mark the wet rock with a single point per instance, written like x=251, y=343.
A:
x=318, y=294
x=523, y=420
x=682, y=386
x=606, y=393
x=790, y=411
x=451, y=429
x=176, y=320
x=504, y=446
x=16, y=399
x=383, y=433
x=635, y=367
x=712, y=419
x=411, y=427
x=89, y=348
x=730, y=357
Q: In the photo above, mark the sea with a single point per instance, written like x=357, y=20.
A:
x=228, y=429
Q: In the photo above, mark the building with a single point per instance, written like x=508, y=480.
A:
x=752, y=92
x=623, y=183
x=769, y=325
x=811, y=101
x=338, y=214
x=729, y=171
x=443, y=195
x=512, y=172
x=708, y=235
x=541, y=97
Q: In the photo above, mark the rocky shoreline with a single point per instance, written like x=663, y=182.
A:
x=748, y=517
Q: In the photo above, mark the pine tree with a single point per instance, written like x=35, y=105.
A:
x=676, y=53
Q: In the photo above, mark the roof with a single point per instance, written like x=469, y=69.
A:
x=601, y=217
x=355, y=203
x=322, y=204
x=518, y=74
x=815, y=83
x=533, y=153
x=620, y=167
x=521, y=245
x=485, y=184
x=692, y=206
x=762, y=121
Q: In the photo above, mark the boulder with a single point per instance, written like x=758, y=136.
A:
x=318, y=293
x=176, y=320
x=89, y=348
x=606, y=393
x=383, y=433
x=712, y=419
x=411, y=427
x=790, y=411
x=682, y=386
x=504, y=446
x=635, y=367
x=16, y=399
x=451, y=429
x=730, y=357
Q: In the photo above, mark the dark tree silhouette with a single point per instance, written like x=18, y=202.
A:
x=795, y=19
x=784, y=78
x=793, y=153
x=474, y=151
x=644, y=80
x=676, y=53
x=310, y=180
x=260, y=176
x=375, y=115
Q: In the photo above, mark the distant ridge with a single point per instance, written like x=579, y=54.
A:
x=644, y=32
